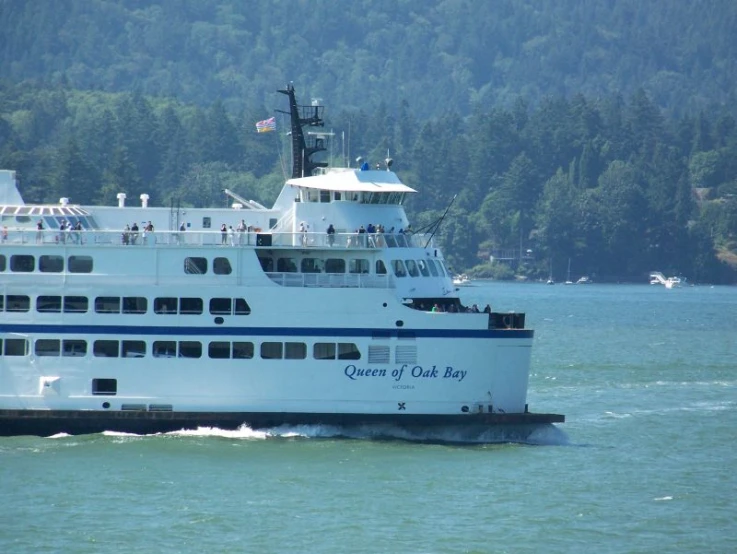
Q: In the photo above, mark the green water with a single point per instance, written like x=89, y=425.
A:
x=647, y=378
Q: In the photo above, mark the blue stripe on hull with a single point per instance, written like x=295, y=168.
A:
x=261, y=331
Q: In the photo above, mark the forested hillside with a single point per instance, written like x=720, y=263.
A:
x=601, y=132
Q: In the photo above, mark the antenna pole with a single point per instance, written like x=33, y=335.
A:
x=440, y=221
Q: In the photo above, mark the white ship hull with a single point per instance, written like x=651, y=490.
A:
x=162, y=330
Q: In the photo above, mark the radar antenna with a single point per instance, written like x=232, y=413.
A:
x=302, y=164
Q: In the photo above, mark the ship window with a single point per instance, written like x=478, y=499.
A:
x=271, y=350
x=107, y=304
x=206, y=222
x=74, y=348
x=51, y=264
x=312, y=195
x=242, y=307
x=133, y=349
x=334, y=265
x=398, y=267
x=380, y=267
x=165, y=349
x=324, y=196
x=17, y=303
x=219, y=350
x=323, y=351
x=22, y=263
x=135, y=305
x=423, y=268
x=221, y=266
x=166, y=305
x=2, y=263
x=310, y=265
x=445, y=269
x=48, y=304
x=358, y=266
x=220, y=306
x=80, y=264
x=48, y=347
x=105, y=387
x=295, y=350
x=267, y=264
x=75, y=304
x=190, y=349
x=195, y=266
x=243, y=350
x=2, y=302
x=16, y=347
x=190, y=306
x=105, y=348
x=412, y=268
x=337, y=195
x=286, y=265
x=433, y=269
x=348, y=351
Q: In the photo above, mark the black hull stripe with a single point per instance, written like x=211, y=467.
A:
x=78, y=422
x=70, y=329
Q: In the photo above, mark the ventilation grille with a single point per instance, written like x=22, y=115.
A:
x=378, y=354
x=405, y=355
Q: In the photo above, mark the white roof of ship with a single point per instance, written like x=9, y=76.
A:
x=353, y=180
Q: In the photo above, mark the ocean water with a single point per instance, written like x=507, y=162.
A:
x=646, y=462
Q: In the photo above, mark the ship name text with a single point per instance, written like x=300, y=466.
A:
x=405, y=372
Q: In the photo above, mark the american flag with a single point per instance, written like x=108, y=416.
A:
x=266, y=125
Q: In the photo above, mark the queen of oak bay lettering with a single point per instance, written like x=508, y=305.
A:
x=417, y=372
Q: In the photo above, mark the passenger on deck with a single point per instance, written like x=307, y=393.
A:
x=134, y=233
x=331, y=235
x=39, y=231
x=223, y=234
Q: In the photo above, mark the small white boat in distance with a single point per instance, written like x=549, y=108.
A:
x=657, y=278
x=462, y=280
x=583, y=281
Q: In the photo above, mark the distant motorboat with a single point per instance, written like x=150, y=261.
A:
x=462, y=280
x=657, y=278
x=583, y=281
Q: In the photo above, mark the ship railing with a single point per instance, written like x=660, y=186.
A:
x=332, y=280
x=216, y=238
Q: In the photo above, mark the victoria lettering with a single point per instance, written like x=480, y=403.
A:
x=417, y=372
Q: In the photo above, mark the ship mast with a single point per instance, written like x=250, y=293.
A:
x=302, y=164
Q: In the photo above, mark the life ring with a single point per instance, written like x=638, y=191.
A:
x=508, y=321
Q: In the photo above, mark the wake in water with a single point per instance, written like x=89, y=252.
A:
x=546, y=434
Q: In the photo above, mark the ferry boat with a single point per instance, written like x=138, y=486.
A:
x=318, y=310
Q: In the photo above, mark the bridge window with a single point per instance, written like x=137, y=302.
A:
x=380, y=267
x=398, y=267
x=433, y=269
x=412, y=268
x=51, y=264
x=423, y=268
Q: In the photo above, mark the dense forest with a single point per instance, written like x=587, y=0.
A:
x=594, y=131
